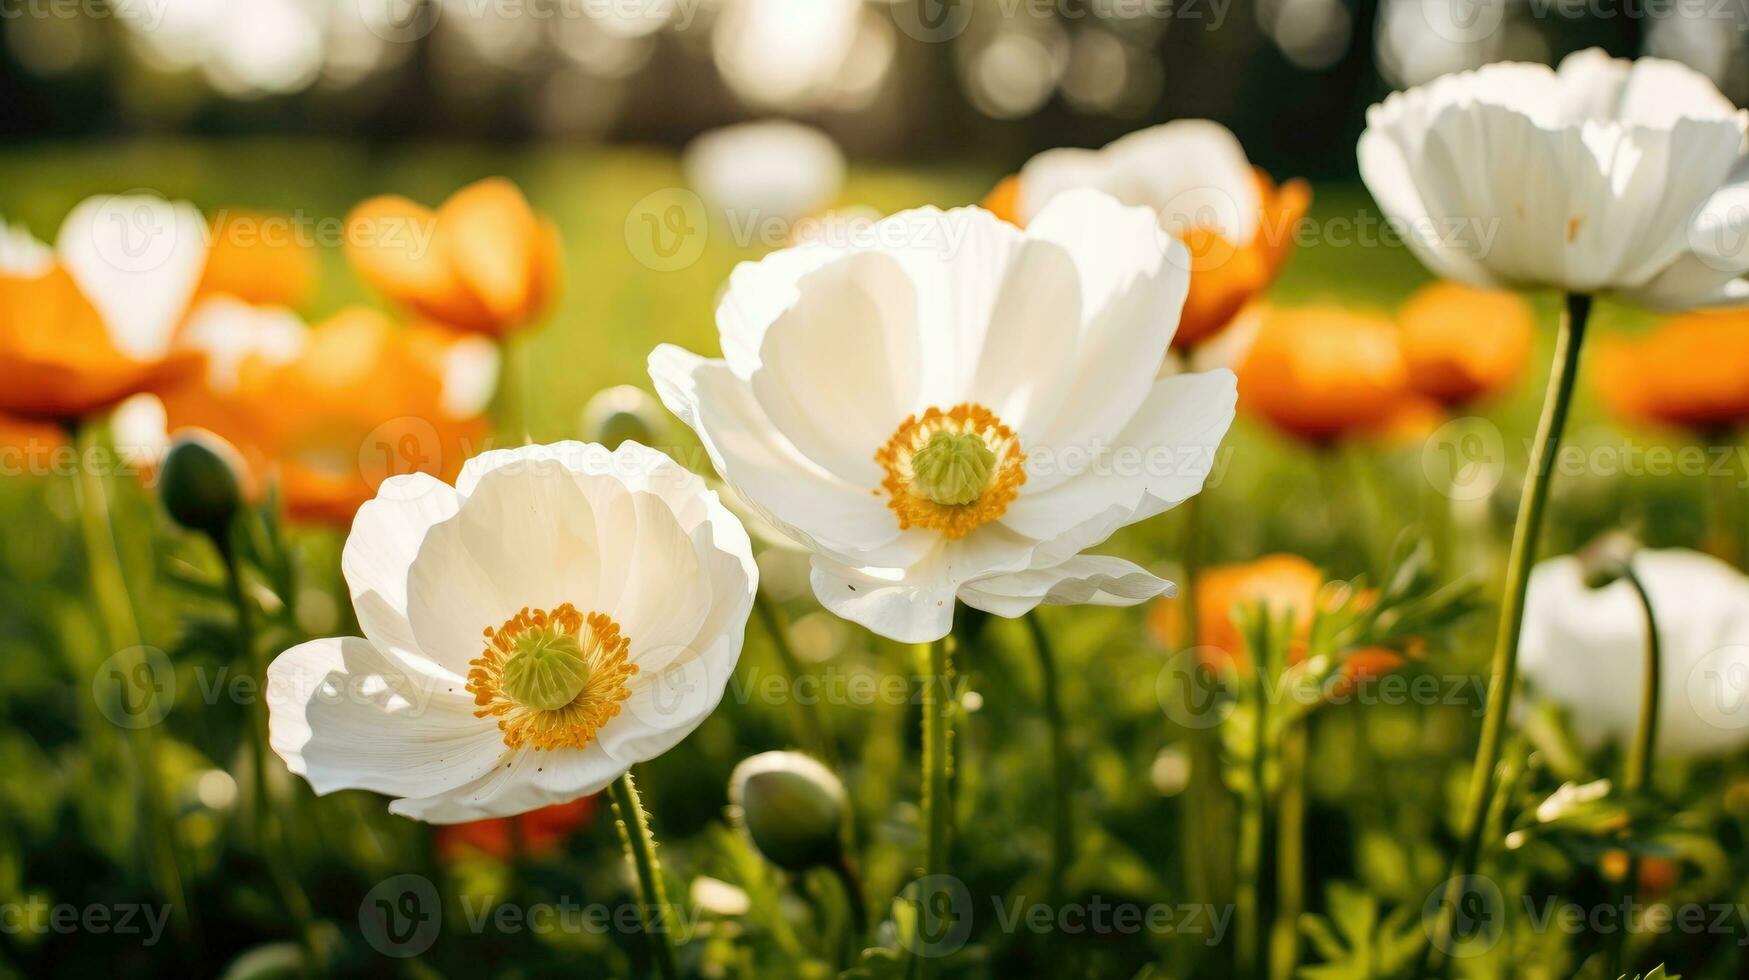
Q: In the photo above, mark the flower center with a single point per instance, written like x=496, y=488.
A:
x=952, y=471
x=552, y=679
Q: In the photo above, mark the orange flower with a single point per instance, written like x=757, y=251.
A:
x=1462, y=343
x=90, y=323
x=1238, y=225
x=1322, y=373
x=539, y=831
x=1692, y=372
x=336, y=410
x=482, y=262
x=259, y=258
x=1281, y=583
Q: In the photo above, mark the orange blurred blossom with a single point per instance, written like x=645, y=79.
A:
x=1691, y=372
x=87, y=324
x=483, y=262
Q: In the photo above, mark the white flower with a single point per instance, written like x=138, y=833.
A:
x=1605, y=176
x=771, y=169
x=138, y=259
x=1192, y=172
x=954, y=408
x=1585, y=649
x=559, y=614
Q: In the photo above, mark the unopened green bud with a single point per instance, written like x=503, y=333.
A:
x=200, y=482
x=792, y=807
x=624, y=414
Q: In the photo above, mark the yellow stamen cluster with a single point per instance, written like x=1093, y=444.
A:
x=559, y=652
x=952, y=471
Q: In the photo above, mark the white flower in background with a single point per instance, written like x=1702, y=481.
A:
x=1585, y=649
x=958, y=409
x=768, y=169
x=21, y=255
x=559, y=614
x=1606, y=176
x=1192, y=172
x=138, y=259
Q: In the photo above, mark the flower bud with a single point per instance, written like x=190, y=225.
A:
x=200, y=482
x=1607, y=559
x=623, y=414
x=792, y=807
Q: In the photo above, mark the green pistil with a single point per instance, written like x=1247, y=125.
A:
x=547, y=670
x=952, y=469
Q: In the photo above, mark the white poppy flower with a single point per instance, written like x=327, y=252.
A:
x=1585, y=649
x=559, y=614
x=1606, y=176
x=950, y=407
x=767, y=169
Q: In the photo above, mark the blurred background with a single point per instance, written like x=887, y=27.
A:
x=986, y=80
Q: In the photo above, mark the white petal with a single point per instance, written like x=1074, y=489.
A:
x=470, y=376
x=841, y=368
x=21, y=255
x=803, y=500
x=1134, y=279
x=915, y=606
x=138, y=259
x=525, y=780
x=1027, y=363
x=1159, y=460
x=1083, y=580
x=344, y=715
x=387, y=533
x=668, y=704
x=525, y=537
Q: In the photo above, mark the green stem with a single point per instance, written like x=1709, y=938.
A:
x=1253, y=831
x=1290, y=836
x=852, y=884
x=511, y=400
x=1207, y=807
x=273, y=850
x=1062, y=790
x=110, y=591
x=814, y=732
x=640, y=845
x=1525, y=533
x=936, y=666
x=1639, y=770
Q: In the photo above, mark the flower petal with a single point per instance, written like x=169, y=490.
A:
x=1083, y=580
x=138, y=259
x=345, y=715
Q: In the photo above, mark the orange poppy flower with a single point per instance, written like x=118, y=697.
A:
x=1461, y=343
x=482, y=262
x=1281, y=583
x=1691, y=372
x=1238, y=225
x=355, y=400
x=538, y=832
x=259, y=258
x=1322, y=373
x=90, y=323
